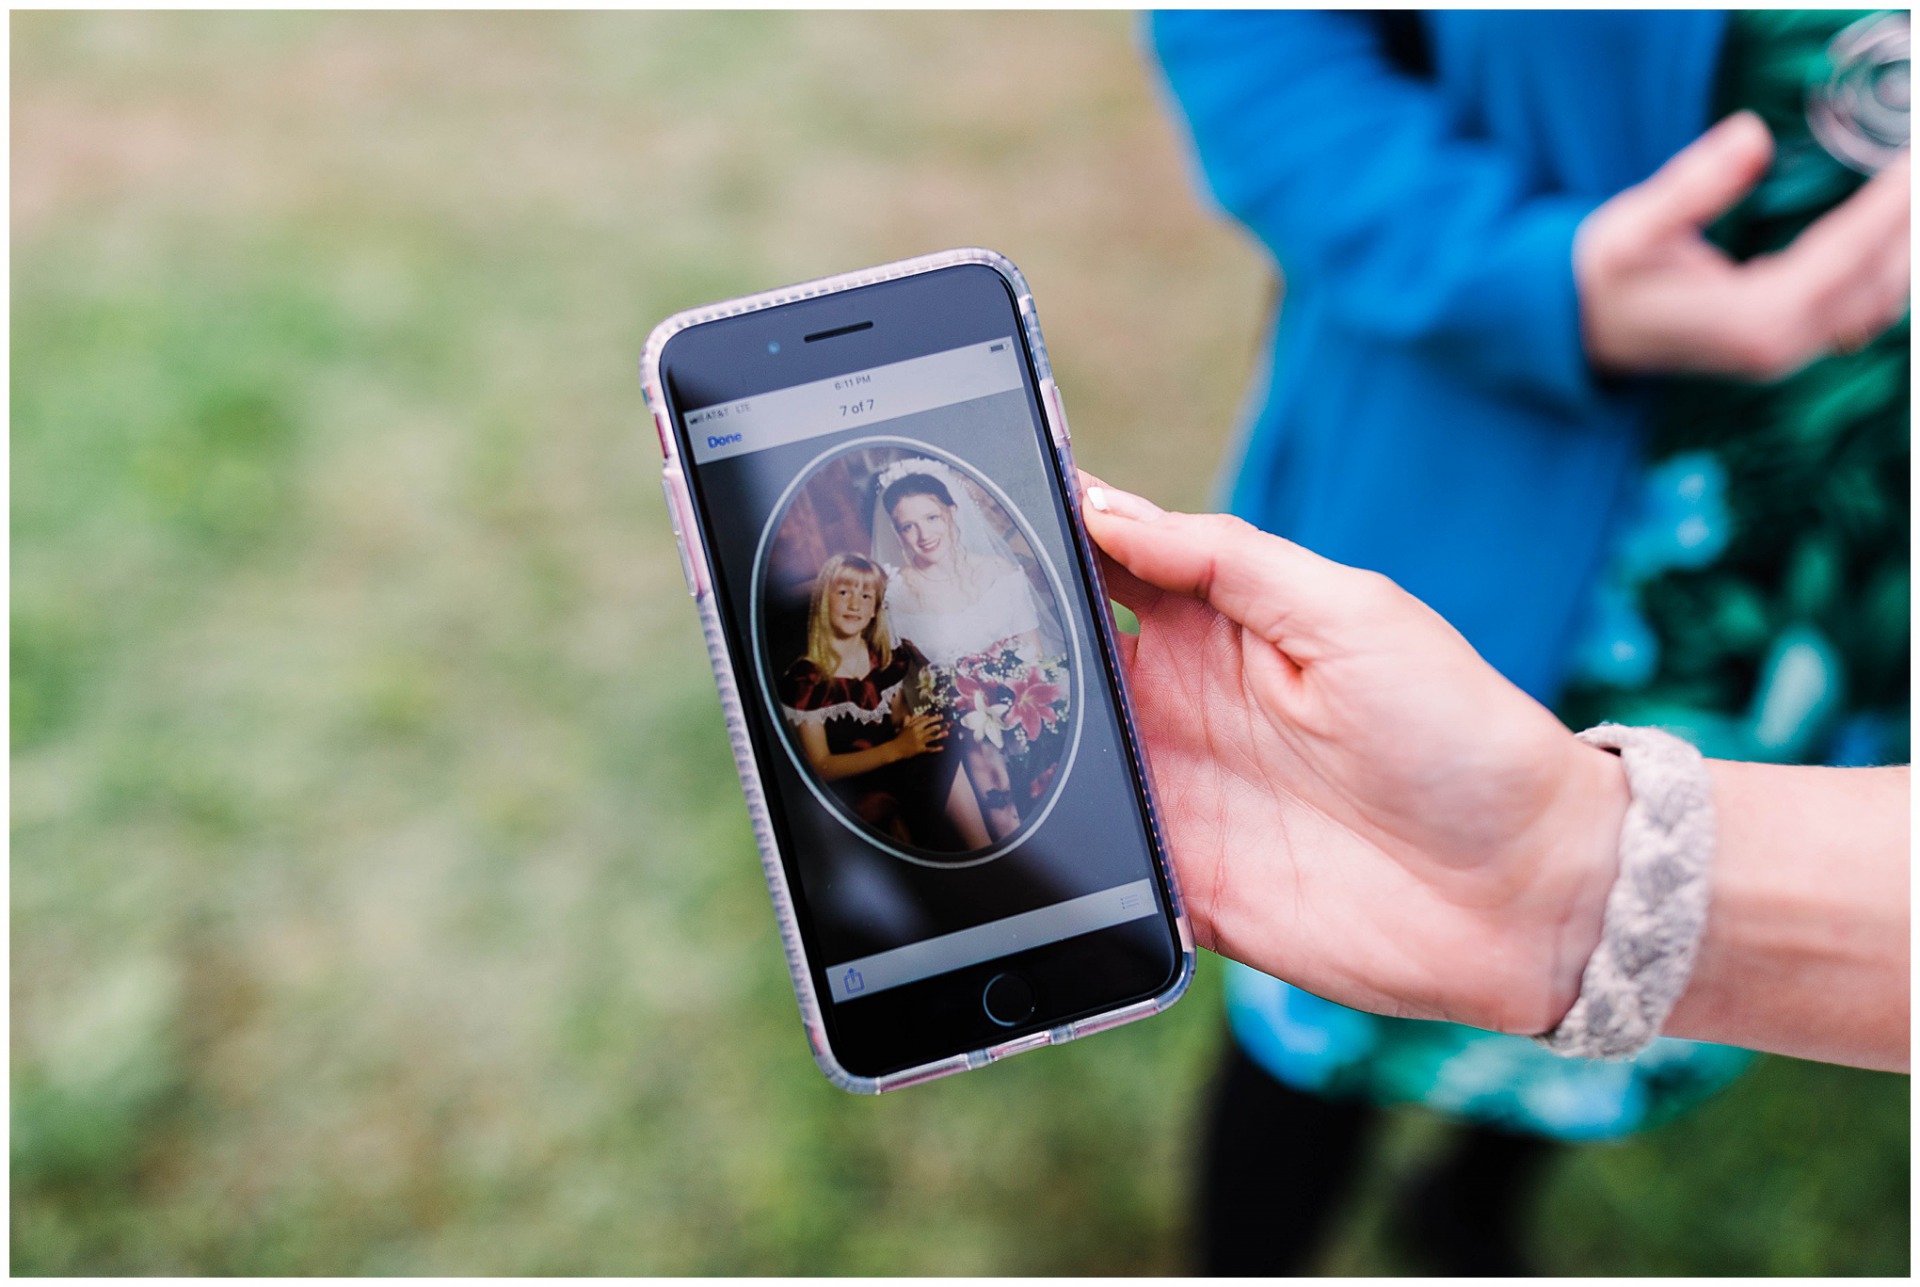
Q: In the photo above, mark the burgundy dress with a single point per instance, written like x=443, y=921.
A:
x=903, y=799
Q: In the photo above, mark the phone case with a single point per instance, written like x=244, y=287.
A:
x=694, y=563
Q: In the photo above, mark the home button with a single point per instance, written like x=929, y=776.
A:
x=1008, y=999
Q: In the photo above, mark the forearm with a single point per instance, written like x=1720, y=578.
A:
x=1806, y=950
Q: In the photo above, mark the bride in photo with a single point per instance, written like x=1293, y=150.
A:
x=993, y=647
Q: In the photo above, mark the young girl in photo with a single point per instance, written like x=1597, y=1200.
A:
x=845, y=700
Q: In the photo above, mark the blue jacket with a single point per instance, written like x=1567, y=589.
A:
x=1430, y=412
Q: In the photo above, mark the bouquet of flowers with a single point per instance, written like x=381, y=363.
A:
x=1005, y=700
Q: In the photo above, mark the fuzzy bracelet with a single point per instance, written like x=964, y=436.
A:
x=1657, y=908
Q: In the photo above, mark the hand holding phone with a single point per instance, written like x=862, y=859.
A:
x=1444, y=844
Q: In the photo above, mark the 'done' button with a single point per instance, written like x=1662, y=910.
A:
x=1008, y=999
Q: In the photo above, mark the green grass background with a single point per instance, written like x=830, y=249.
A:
x=382, y=897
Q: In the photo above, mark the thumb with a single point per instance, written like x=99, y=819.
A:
x=1280, y=591
x=1708, y=177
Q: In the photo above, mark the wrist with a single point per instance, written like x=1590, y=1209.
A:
x=1656, y=909
x=1581, y=856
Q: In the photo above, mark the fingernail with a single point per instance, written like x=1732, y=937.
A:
x=1111, y=500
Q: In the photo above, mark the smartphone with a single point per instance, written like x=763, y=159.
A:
x=872, y=487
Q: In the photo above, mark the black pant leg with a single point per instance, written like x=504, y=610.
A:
x=1468, y=1214
x=1275, y=1166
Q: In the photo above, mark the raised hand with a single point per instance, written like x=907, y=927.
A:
x=1656, y=296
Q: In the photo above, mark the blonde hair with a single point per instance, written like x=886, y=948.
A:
x=847, y=567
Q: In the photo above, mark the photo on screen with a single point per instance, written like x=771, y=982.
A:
x=912, y=641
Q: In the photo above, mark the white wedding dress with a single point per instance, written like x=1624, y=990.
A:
x=1003, y=612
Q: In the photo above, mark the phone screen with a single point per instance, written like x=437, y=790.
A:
x=913, y=637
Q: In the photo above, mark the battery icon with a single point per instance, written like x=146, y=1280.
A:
x=995, y=348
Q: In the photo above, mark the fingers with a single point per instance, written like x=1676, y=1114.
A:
x=1111, y=500
x=1126, y=588
x=1876, y=303
x=1645, y=274
x=1131, y=593
x=1840, y=246
x=1875, y=213
x=1875, y=296
x=1844, y=279
x=1280, y=591
x=1708, y=177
